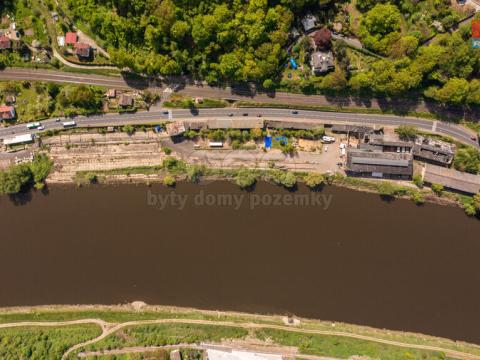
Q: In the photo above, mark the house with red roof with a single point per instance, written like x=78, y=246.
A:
x=82, y=50
x=5, y=42
x=71, y=38
x=7, y=112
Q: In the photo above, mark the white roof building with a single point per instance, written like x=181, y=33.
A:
x=19, y=139
x=61, y=40
x=239, y=355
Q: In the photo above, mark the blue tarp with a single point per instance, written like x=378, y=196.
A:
x=268, y=142
x=158, y=129
x=294, y=64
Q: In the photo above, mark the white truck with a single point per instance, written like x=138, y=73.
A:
x=68, y=124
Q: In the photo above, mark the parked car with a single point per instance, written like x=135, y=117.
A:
x=245, y=114
x=294, y=112
x=328, y=139
x=41, y=127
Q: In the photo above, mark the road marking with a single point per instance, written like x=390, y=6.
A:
x=434, y=126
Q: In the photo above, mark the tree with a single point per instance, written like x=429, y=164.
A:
x=245, y=178
x=313, y=180
x=268, y=84
x=467, y=159
x=40, y=168
x=14, y=179
x=455, y=91
x=323, y=38
x=382, y=19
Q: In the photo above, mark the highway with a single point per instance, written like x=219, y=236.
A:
x=154, y=117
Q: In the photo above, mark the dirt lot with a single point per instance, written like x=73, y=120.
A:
x=93, y=152
x=89, y=152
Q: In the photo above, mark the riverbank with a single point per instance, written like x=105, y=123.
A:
x=247, y=178
x=148, y=157
x=122, y=324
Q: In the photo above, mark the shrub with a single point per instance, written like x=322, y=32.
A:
x=194, y=173
x=174, y=165
x=169, y=180
x=313, y=180
x=470, y=209
x=386, y=189
x=437, y=189
x=129, y=129
x=167, y=150
x=245, y=178
x=418, y=180
x=417, y=197
x=406, y=132
x=279, y=177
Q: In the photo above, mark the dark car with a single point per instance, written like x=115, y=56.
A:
x=166, y=112
x=259, y=115
x=294, y=112
x=245, y=114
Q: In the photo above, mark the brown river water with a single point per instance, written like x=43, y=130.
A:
x=335, y=255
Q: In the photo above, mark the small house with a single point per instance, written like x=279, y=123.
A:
x=61, y=40
x=176, y=128
x=125, y=101
x=71, y=38
x=309, y=22
x=83, y=51
x=322, y=62
x=7, y=112
x=5, y=43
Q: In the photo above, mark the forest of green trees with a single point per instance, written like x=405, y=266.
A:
x=248, y=40
x=240, y=39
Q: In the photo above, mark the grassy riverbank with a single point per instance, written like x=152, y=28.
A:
x=173, y=170
x=338, y=339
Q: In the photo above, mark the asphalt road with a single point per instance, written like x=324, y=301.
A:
x=455, y=131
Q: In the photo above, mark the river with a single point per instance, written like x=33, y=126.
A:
x=334, y=255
